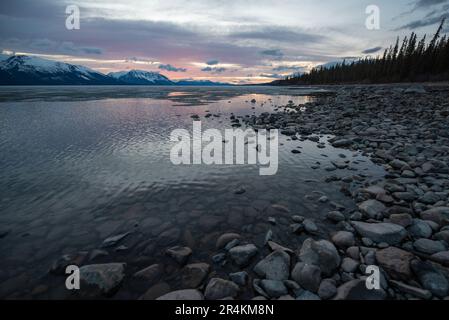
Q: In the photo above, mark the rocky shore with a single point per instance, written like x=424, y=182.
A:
x=401, y=223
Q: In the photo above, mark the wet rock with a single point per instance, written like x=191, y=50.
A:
x=275, y=246
x=342, y=143
x=442, y=235
x=396, y=262
x=327, y=289
x=186, y=295
x=224, y=239
x=274, y=288
x=242, y=255
x=349, y=265
x=305, y=295
x=441, y=257
x=219, y=288
x=240, y=278
x=343, y=239
x=275, y=266
x=430, y=278
x=372, y=208
x=419, y=229
x=112, y=241
x=335, y=216
x=179, y=254
x=402, y=219
x=104, y=278
x=414, y=291
x=156, y=291
x=308, y=276
x=320, y=253
x=356, y=290
x=429, y=246
x=194, y=274
x=381, y=232
x=439, y=215
x=429, y=198
x=59, y=266
x=310, y=226
x=151, y=273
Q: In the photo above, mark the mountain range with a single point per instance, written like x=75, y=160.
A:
x=30, y=70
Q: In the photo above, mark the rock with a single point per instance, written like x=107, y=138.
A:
x=105, y=278
x=402, y=219
x=320, y=253
x=430, y=278
x=372, y=208
x=97, y=253
x=308, y=276
x=156, y=291
x=242, y=255
x=327, y=289
x=398, y=164
x=112, y=241
x=420, y=229
x=428, y=246
x=349, y=265
x=395, y=262
x=441, y=257
x=343, y=239
x=224, y=239
x=179, y=254
x=59, y=266
x=374, y=191
x=442, y=235
x=305, y=295
x=240, y=278
x=342, y=143
x=414, y=291
x=275, y=266
x=218, y=289
x=381, y=232
x=310, y=226
x=353, y=252
x=335, y=216
x=194, y=274
x=429, y=198
x=232, y=244
x=274, y=288
x=275, y=246
x=150, y=274
x=187, y=295
x=438, y=215
x=356, y=290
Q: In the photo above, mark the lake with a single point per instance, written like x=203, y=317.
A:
x=81, y=164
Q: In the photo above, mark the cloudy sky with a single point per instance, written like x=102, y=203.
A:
x=223, y=40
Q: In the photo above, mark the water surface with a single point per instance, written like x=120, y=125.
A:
x=80, y=164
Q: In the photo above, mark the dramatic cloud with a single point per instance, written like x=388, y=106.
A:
x=214, y=70
x=428, y=3
x=273, y=52
x=424, y=22
x=288, y=68
x=372, y=50
x=212, y=62
x=171, y=68
x=272, y=75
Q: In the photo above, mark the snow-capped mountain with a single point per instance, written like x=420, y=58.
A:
x=139, y=77
x=31, y=70
x=28, y=70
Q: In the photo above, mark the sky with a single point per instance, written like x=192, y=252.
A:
x=246, y=41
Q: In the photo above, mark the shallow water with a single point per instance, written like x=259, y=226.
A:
x=80, y=164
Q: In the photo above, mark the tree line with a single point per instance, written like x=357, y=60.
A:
x=411, y=60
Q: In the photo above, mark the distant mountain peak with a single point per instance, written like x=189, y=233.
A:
x=141, y=77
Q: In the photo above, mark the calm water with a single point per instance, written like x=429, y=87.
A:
x=78, y=165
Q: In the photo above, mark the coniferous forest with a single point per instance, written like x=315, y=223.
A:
x=411, y=60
